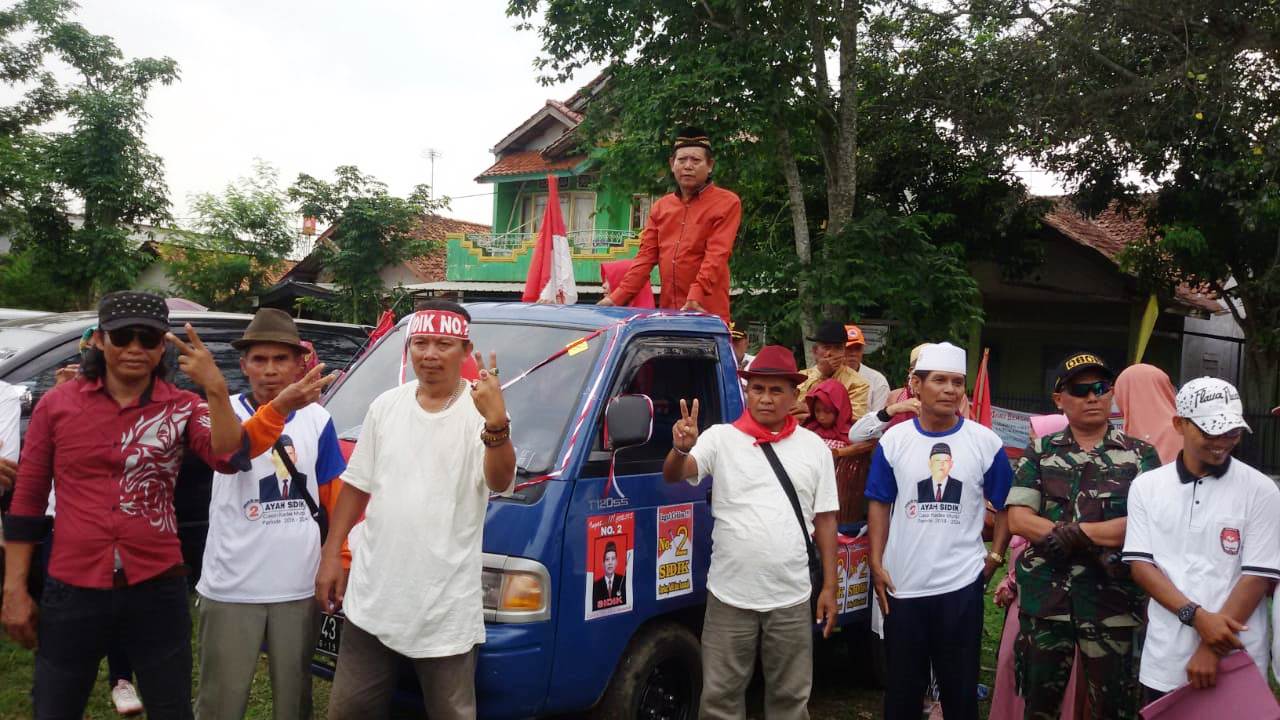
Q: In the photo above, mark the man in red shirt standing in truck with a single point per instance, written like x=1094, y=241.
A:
x=689, y=236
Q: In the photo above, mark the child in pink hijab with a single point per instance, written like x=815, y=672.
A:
x=1145, y=396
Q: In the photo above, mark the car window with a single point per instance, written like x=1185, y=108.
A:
x=227, y=358
x=38, y=375
x=334, y=350
x=667, y=370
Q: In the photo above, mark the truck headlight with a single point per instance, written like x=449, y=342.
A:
x=515, y=590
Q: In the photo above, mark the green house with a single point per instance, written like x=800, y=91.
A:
x=602, y=226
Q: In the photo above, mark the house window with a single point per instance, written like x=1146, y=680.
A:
x=577, y=208
x=640, y=205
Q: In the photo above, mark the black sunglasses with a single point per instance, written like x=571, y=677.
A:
x=1082, y=390
x=148, y=338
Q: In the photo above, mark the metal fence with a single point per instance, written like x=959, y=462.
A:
x=1261, y=448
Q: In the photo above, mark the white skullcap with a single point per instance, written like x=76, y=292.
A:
x=942, y=357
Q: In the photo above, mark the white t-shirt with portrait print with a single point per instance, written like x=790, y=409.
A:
x=264, y=547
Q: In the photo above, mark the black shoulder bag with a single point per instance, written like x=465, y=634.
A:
x=318, y=513
x=815, y=566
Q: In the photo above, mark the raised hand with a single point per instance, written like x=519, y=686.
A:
x=63, y=374
x=197, y=362
x=487, y=393
x=685, y=432
x=303, y=392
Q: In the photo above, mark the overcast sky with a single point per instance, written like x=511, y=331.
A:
x=308, y=86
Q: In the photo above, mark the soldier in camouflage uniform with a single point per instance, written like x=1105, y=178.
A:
x=1069, y=500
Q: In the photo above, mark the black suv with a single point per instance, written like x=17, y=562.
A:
x=32, y=349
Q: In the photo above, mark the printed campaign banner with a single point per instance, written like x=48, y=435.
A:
x=857, y=592
x=1013, y=427
x=675, y=551
x=610, y=556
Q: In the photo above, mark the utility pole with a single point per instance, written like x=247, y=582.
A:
x=432, y=154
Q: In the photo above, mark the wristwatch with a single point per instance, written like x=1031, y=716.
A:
x=1187, y=614
x=996, y=558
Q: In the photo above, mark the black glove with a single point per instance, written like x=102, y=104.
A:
x=1064, y=541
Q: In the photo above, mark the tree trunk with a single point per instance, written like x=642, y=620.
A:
x=800, y=225
x=841, y=203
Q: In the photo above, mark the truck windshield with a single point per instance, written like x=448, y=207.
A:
x=540, y=405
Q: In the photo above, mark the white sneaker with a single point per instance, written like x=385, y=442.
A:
x=125, y=698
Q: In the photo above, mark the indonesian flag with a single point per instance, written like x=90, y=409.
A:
x=386, y=321
x=551, y=272
x=980, y=403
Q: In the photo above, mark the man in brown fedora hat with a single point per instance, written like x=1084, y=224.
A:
x=775, y=487
x=263, y=547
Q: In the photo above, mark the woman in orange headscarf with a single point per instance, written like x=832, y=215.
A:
x=1145, y=396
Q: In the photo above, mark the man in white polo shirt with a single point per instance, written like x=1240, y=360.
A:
x=429, y=454
x=1203, y=540
x=929, y=566
x=758, y=585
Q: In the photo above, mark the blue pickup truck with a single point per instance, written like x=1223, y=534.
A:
x=595, y=570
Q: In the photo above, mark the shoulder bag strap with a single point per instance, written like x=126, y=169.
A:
x=785, y=480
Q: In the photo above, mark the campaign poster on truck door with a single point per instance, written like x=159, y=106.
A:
x=610, y=558
x=857, y=592
x=675, y=551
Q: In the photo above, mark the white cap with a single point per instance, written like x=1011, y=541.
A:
x=942, y=357
x=1212, y=404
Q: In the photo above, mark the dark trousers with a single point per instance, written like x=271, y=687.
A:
x=942, y=631
x=152, y=623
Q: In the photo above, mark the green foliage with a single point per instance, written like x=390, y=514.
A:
x=927, y=199
x=244, y=235
x=371, y=230
x=99, y=166
x=1171, y=107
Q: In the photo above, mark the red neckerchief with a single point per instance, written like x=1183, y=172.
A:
x=748, y=425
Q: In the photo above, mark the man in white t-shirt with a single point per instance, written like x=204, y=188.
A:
x=261, y=555
x=1203, y=540
x=758, y=585
x=854, y=346
x=933, y=475
x=429, y=454
x=10, y=417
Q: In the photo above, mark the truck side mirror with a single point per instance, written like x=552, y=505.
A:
x=628, y=421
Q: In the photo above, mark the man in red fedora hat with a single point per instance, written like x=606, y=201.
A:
x=775, y=487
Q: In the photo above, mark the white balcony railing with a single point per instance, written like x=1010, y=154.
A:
x=581, y=242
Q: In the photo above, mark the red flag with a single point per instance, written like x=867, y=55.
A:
x=386, y=321
x=551, y=271
x=980, y=403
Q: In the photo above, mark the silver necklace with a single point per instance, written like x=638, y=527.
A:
x=457, y=392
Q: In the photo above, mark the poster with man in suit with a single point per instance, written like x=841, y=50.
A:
x=280, y=485
x=610, y=548
x=939, y=487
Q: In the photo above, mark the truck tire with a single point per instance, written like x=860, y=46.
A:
x=866, y=655
x=658, y=678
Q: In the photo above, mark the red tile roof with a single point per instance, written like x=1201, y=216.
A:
x=1109, y=233
x=431, y=267
x=529, y=161
x=575, y=116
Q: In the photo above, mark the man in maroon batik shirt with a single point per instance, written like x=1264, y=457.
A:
x=114, y=438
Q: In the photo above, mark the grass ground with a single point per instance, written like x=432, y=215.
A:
x=837, y=694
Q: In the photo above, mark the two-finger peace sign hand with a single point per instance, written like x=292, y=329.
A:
x=196, y=361
x=303, y=392
x=487, y=392
x=685, y=432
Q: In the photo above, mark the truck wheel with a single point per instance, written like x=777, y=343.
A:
x=659, y=677
x=866, y=654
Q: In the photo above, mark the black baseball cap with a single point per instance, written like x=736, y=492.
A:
x=1078, y=362
x=830, y=332
x=128, y=308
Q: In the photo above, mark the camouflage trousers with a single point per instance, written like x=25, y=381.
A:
x=1043, y=655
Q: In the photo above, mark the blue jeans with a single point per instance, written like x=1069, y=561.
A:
x=151, y=621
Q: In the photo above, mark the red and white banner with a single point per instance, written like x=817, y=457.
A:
x=551, y=271
x=675, y=551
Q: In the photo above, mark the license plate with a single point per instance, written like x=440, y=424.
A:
x=330, y=634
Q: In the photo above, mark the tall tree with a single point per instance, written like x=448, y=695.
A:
x=241, y=239
x=851, y=182
x=100, y=166
x=371, y=230
x=1174, y=107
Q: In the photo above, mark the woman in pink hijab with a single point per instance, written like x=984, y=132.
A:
x=611, y=274
x=1145, y=396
